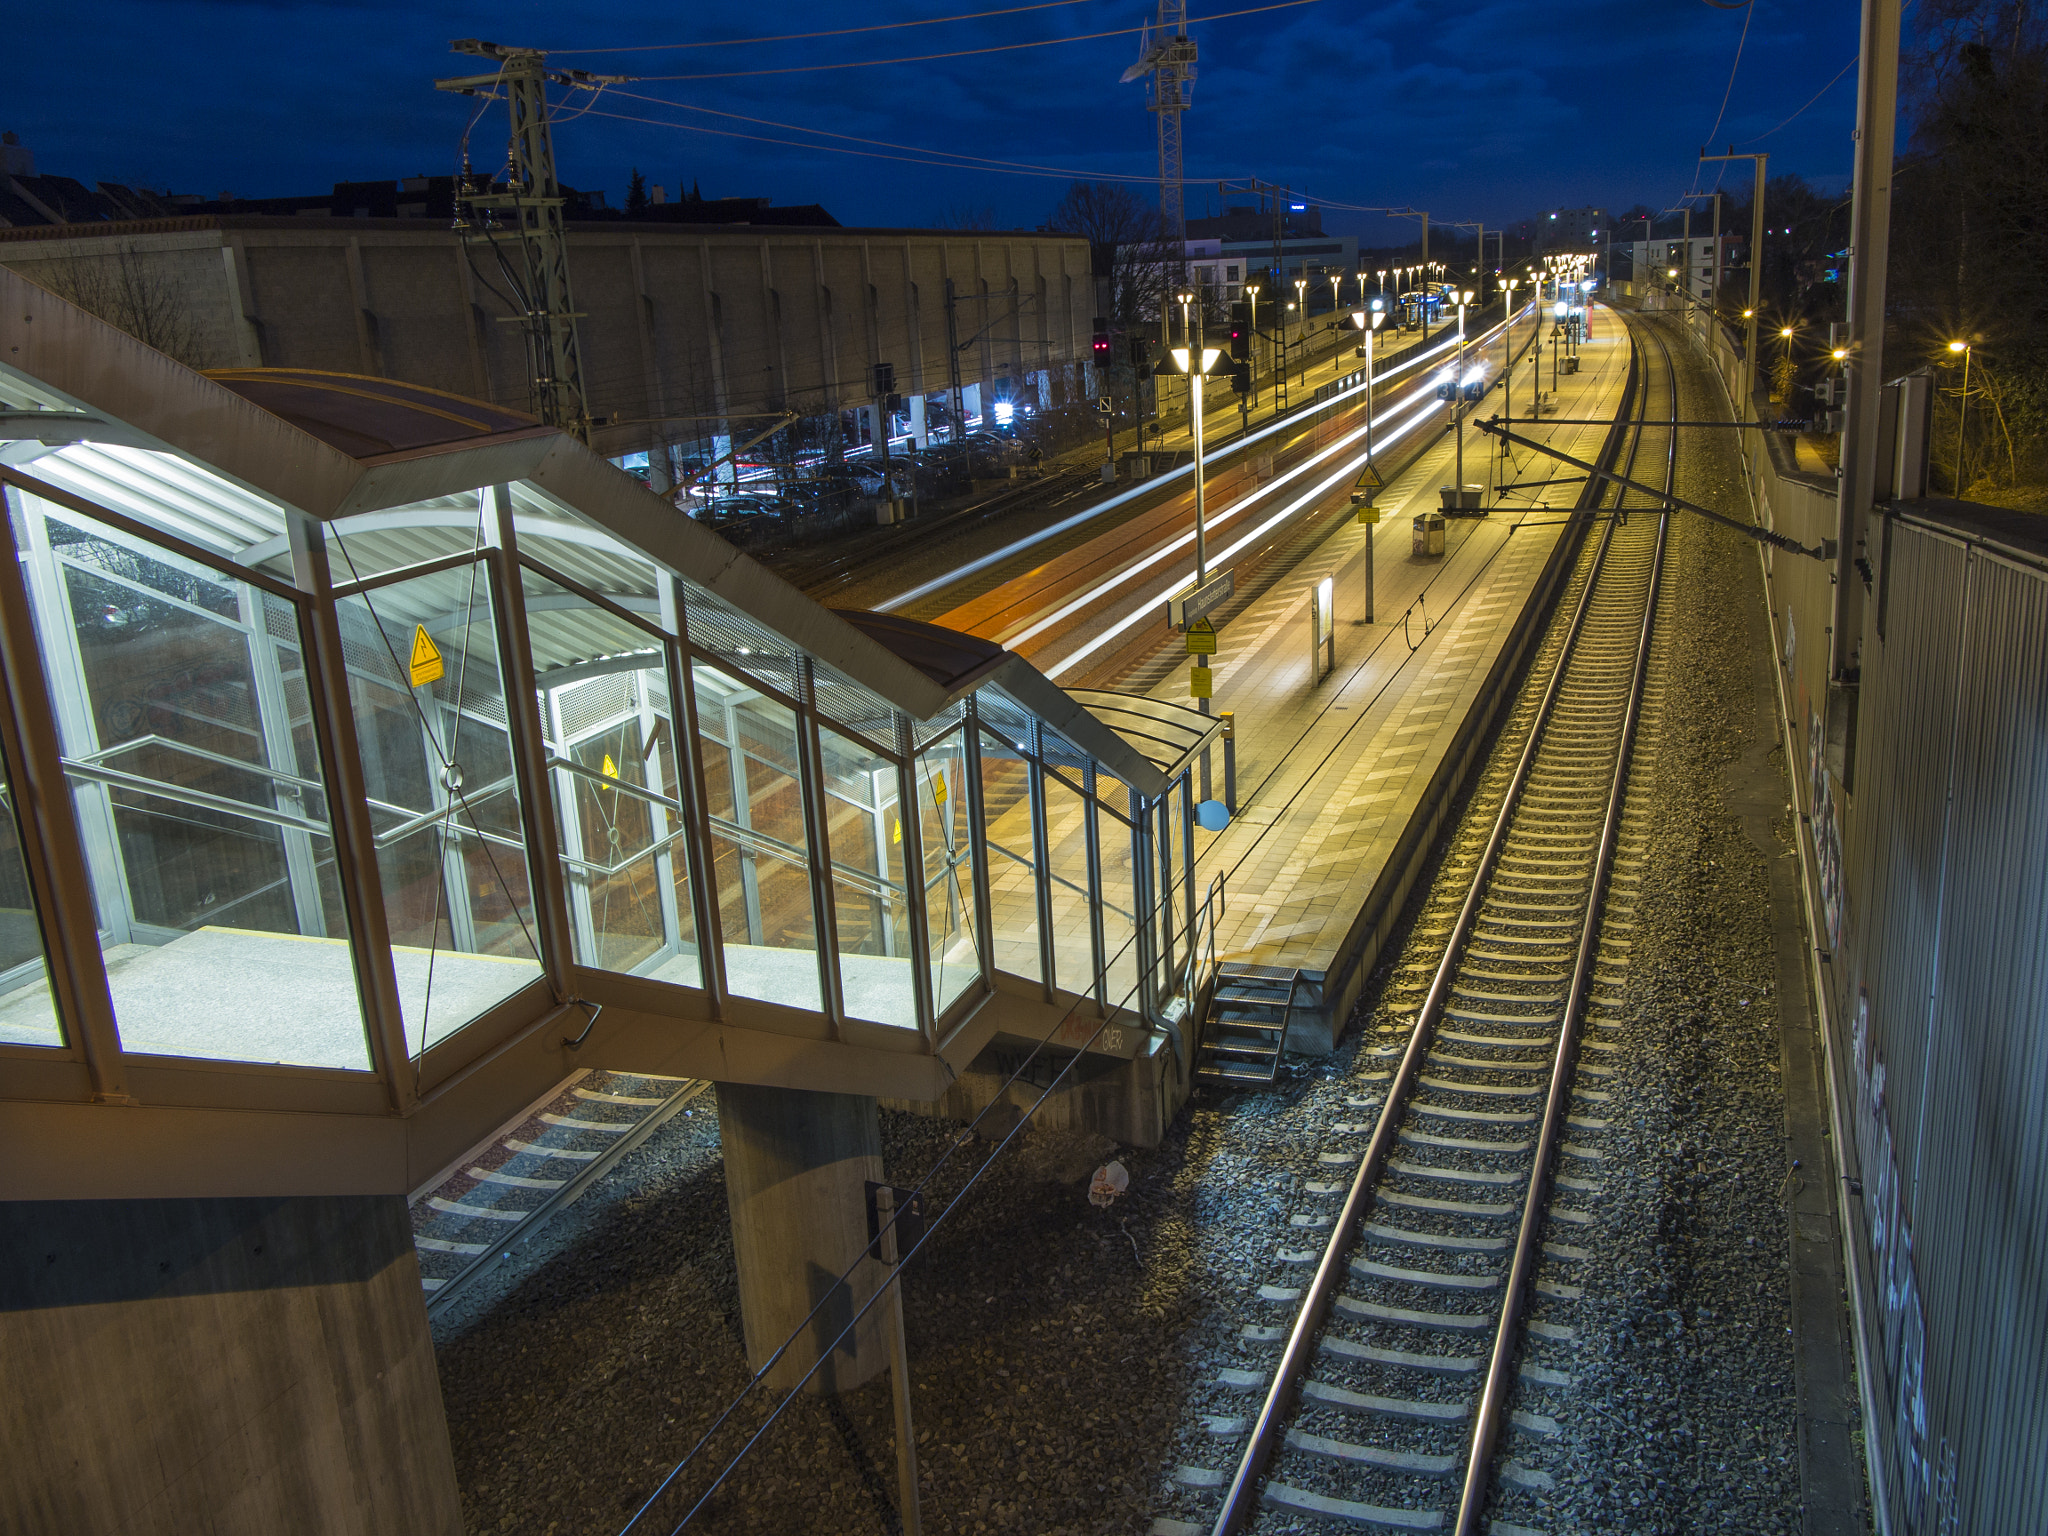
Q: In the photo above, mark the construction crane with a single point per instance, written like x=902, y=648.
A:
x=531, y=204
x=1167, y=54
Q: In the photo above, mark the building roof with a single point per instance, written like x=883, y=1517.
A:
x=365, y=416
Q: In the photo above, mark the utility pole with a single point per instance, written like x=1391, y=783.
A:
x=1877, y=113
x=1747, y=405
x=533, y=202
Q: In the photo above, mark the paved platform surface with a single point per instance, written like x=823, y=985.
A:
x=1330, y=773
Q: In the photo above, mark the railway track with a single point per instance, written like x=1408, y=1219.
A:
x=1428, y=1361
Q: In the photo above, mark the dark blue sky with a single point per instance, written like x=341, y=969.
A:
x=1476, y=110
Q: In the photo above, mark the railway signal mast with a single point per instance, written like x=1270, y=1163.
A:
x=1168, y=56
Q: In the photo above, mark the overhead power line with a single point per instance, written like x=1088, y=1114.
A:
x=801, y=37
x=966, y=53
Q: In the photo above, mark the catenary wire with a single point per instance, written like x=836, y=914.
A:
x=965, y=53
x=800, y=37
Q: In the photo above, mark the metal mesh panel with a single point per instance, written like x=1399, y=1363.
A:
x=597, y=701
x=849, y=704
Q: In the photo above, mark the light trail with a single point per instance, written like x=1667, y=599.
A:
x=1314, y=494
x=1150, y=487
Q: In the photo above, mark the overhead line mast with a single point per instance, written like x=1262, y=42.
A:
x=533, y=201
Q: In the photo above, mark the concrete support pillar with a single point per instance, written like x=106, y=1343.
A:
x=918, y=429
x=235, y=1366
x=796, y=1171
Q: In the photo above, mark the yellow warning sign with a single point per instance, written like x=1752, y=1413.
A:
x=938, y=789
x=426, y=658
x=1369, y=478
x=610, y=769
x=898, y=837
x=1201, y=638
x=1368, y=515
x=1201, y=683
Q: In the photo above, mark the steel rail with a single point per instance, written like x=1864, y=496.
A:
x=1240, y=1499
x=1521, y=1272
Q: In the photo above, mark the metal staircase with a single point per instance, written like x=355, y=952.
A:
x=1246, y=1027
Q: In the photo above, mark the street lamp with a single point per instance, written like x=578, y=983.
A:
x=1369, y=321
x=1251, y=292
x=1301, y=335
x=1195, y=363
x=1508, y=285
x=1458, y=395
x=1964, y=416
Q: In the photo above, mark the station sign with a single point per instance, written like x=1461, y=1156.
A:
x=1194, y=603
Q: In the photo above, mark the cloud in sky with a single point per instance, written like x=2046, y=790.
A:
x=1490, y=110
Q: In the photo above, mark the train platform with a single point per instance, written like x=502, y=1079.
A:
x=1343, y=779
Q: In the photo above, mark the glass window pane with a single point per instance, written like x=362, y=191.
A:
x=1073, y=941
x=183, y=722
x=864, y=828
x=1013, y=882
x=26, y=1016
x=760, y=868
x=948, y=872
x=437, y=763
x=1119, y=894
x=604, y=708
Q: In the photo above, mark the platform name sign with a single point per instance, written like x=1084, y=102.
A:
x=1184, y=608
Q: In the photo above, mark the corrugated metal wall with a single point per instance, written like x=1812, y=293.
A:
x=1941, y=979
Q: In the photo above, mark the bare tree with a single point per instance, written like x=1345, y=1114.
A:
x=1136, y=260
x=965, y=216
x=130, y=293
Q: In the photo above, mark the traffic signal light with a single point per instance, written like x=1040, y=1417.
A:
x=1241, y=331
x=885, y=378
x=1101, y=341
x=1241, y=378
x=1141, y=356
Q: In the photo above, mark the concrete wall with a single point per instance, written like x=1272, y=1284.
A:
x=233, y=1367
x=677, y=321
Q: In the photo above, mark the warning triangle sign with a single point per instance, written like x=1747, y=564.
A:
x=610, y=769
x=426, y=658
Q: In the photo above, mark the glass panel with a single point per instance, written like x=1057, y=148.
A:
x=26, y=1017
x=604, y=707
x=1073, y=902
x=759, y=865
x=1013, y=884
x=376, y=542
x=1119, y=893
x=183, y=723
x=948, y=872
x=437, y=762
x=555, y=534
x=863, y=824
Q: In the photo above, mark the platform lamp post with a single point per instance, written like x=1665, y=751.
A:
x=1464, y=297
x=1963, y=418
x=1301, y=332
x=1369, y=321
x=1508, y=285
x=1194, y=360
x=1785, y=336
x=1251, y=293
x=1557, y=313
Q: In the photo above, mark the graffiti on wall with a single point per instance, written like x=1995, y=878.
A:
x=1827, y=835
x=1926, y=1475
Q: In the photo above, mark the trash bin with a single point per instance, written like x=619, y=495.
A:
x=1429, y=534
x=1468, y=498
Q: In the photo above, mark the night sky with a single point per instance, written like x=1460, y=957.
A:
x=1475, y=111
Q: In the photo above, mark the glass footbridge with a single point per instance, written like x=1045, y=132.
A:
x=373, y=757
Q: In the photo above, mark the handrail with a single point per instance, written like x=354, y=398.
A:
x=154, y=739
x=198, y=799
x=1059, y=879
x=414, y=820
